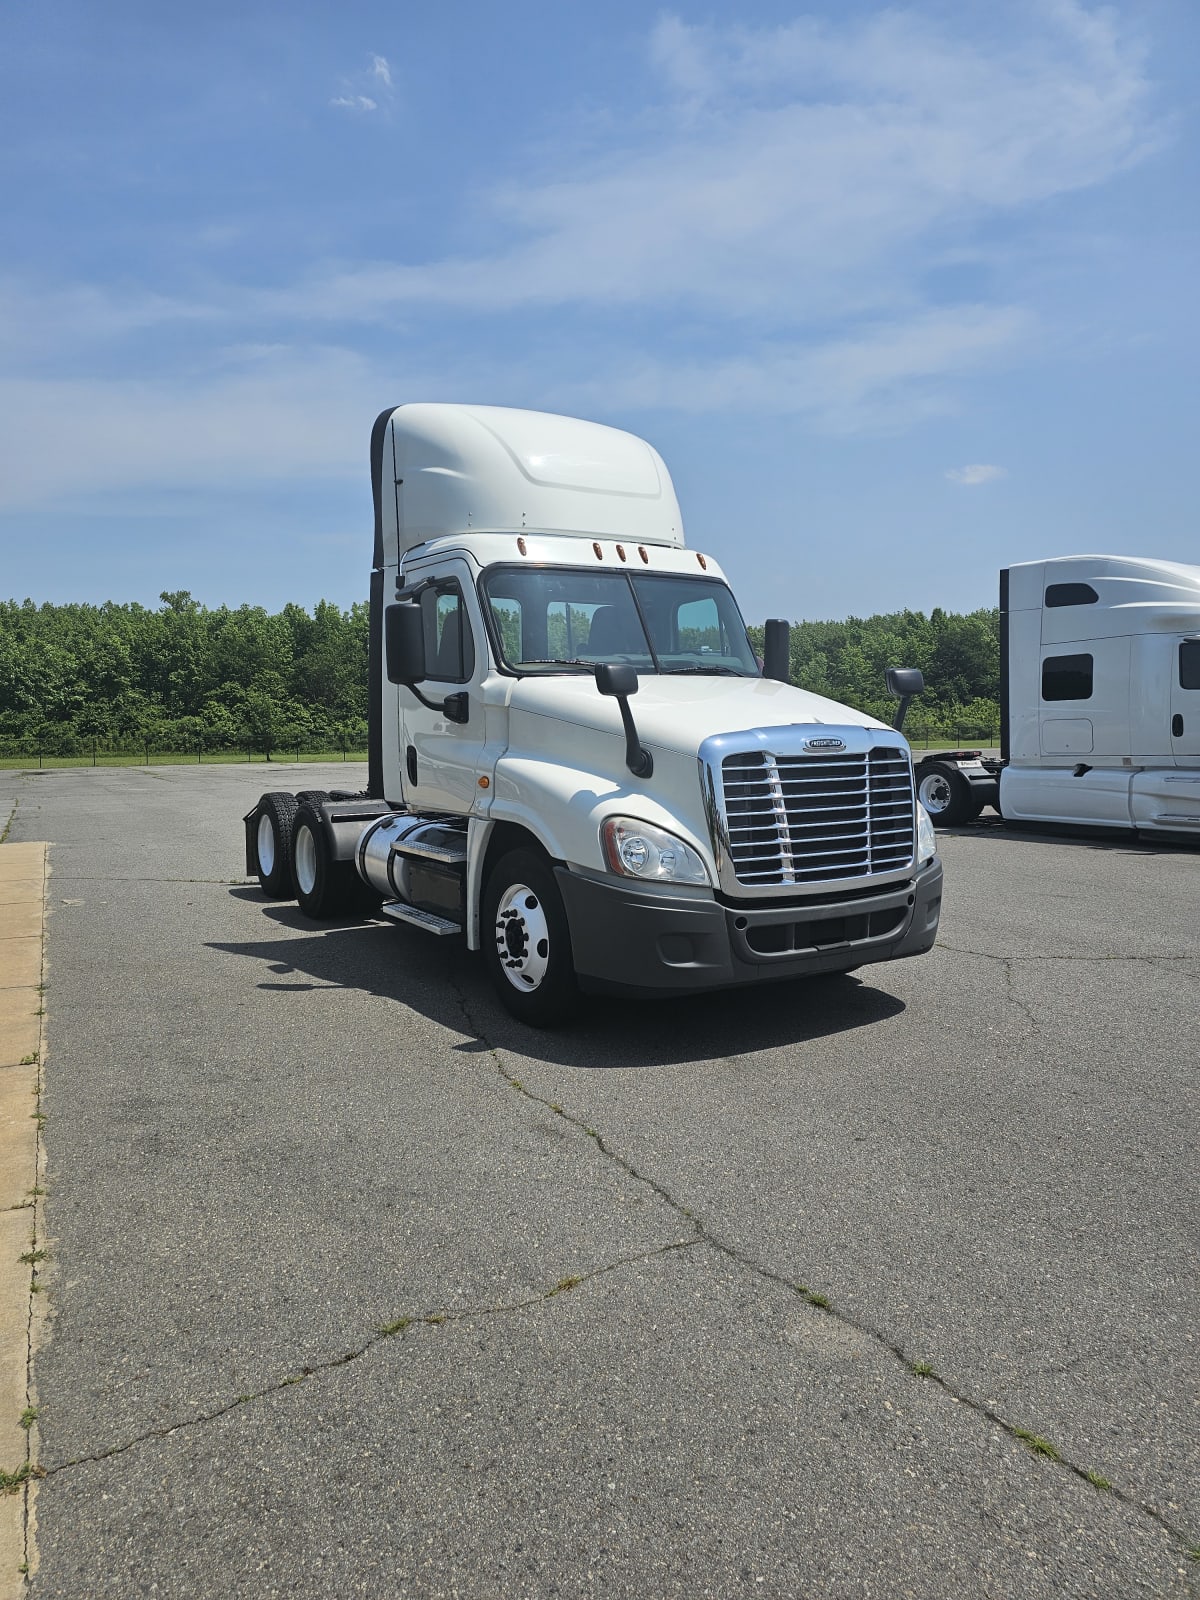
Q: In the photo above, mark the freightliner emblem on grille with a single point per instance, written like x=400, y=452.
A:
x=824, y=744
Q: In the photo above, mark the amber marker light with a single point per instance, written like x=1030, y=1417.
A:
x=642, y=552
x=484, y=783
x=521, y=546
x=599, y=552
x=701, y=560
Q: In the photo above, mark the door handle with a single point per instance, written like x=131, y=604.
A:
x=410, y=762
x=1177, y=726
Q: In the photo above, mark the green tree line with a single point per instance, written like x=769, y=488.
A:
x=183, y=677
x=958, y=654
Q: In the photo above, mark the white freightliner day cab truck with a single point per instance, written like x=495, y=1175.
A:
x=531, y=580
x=1099, y=701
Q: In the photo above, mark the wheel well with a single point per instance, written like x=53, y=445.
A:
x=506, y=836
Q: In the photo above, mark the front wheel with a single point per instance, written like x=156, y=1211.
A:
x=946, y=794
x=526, y=941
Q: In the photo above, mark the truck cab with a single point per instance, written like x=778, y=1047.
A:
x=1100, y=686
x=576, y=762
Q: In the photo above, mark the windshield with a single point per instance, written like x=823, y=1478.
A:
x=560, y=619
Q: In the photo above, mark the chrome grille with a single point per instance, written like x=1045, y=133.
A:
x=817, y=818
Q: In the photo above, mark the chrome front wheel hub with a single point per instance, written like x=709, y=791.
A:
x=522, y=937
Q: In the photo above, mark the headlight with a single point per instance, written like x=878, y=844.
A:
x=640, y=850
x=926, y=838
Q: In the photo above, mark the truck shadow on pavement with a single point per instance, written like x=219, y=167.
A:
x=991, y=830
x=446, y=983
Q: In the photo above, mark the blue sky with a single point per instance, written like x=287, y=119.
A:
x=901, y=294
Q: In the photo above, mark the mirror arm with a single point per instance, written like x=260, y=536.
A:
x=413, y=590
x=637, y=758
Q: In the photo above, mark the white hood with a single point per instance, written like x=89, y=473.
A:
x=679, y=713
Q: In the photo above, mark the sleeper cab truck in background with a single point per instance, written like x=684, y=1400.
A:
x=1099, y=701
x=575, y=760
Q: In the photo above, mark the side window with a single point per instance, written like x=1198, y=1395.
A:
x=1071, y=594
x=1189, y=664
x=1067, y=678
x=449, y=651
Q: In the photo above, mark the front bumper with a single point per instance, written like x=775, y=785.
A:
x=629, y=939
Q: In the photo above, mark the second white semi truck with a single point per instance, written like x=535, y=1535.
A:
x=575, y=761
x=1099, y=701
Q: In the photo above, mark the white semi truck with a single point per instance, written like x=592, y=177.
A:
x=575, y=761
x=1099, y=701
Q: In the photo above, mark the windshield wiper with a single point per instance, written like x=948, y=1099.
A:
x=555, y=661
x=725, y=672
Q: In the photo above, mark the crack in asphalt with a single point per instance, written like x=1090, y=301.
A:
x=399, y=1328
x=9, y=823
x=1014, y=999
x=819, y=1302
x=702, y=1235
x=993, y=955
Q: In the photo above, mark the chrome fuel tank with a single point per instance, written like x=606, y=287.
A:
x=391, y=846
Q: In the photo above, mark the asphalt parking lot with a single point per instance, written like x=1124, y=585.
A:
x=359, y=1288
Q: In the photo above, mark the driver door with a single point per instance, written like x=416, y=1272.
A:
x=441, y=742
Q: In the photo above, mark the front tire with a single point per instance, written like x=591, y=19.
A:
x=526, y=941
x=946, y=794
x=273, y=844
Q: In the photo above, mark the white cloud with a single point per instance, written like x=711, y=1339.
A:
x=882, y=377
x=832, y=167
x=971, y=477
x=789, y=195
x=377, y=78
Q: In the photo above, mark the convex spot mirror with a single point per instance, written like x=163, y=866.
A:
x=404, y=643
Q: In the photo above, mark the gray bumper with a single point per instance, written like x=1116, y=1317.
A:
x=629, y=939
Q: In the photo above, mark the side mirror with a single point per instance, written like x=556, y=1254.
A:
x=903, y=683
x=404, y=643
x=619, y=679
x=777, y=650
x=616, y=677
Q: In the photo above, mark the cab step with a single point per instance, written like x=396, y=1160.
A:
x=449, y=852
x=399, y=912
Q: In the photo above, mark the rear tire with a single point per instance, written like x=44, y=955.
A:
x=324, y=887
x=273, y=844
x=946, y=794
x=527, y=942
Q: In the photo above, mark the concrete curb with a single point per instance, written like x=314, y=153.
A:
x=23, y=870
